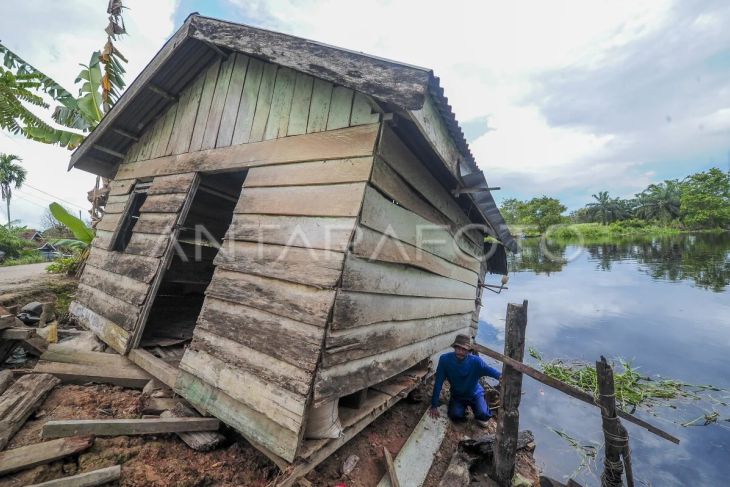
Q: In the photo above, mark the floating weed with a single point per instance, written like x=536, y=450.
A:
x=632, y=388
x=587, y=452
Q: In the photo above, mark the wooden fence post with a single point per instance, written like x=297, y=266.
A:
x=615, y=435
x=508, y=423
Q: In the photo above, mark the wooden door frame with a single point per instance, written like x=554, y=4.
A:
x=133, y=341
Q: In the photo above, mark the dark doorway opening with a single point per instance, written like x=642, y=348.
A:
x=179, y=299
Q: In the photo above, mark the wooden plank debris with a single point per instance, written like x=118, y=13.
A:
x=123, y=427
x=570, y=390
x=390, y=468
x=197, y=440
x=20, y=400
x=415, y=458
x=41, y=453
x=133, y=378
x=158, y=368
x=6, y=377
x=17, y=333
x=79, y=367
x=89, y=479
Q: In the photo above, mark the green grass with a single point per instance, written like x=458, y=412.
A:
x=596, y=233
x=25, y=259
x=632, y=389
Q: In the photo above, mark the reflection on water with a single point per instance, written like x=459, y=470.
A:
x=704, y=259
x=661, y=303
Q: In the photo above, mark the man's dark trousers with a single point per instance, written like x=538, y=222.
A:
x=478, y=405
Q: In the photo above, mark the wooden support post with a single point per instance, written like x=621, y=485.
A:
x=614, y=433
x=508, y=422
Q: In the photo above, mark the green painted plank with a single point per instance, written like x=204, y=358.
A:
x=300, y=105
x=134, y=151
x=164, y=136
x=320, y=107
x=263, y=104
x=217, y=104
x=233, y=98
x=340, y=108
x=247, y=106
x=152, y=135
x=362, y=111
x=182, y=135
x=206, y=98
x=281, y=101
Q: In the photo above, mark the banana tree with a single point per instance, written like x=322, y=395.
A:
x=83, y=235
x=21, y=82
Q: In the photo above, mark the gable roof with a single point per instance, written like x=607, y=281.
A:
x=202, y=40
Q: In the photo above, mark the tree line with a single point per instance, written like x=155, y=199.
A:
x=699, y=201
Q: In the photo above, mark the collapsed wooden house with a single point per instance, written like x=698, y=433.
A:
x=310, y=218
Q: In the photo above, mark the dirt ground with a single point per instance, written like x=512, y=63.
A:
x=165, y=460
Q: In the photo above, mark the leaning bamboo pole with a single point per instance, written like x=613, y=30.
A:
x=570, y=390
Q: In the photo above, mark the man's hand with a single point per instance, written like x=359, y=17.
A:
x=434, y=413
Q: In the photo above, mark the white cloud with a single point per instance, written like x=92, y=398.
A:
x=507, y=60
x=56, y=37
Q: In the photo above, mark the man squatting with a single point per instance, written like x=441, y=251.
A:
x=463, y=370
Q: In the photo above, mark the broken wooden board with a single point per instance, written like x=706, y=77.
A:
x=41, y=453
x=124, y=427
x=17, y=333
x=392, y=474
x=20, y=401
x=197, y=440
x=78, y=367
x=6, y=376
x=158, y=368
x=415, y=458
x=88, y=479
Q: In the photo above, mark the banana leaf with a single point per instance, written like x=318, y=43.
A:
x=77, y=226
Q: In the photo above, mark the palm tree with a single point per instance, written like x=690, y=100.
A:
x=11, y=174
x=609, y=209
x=660, y=201
x=602, y=206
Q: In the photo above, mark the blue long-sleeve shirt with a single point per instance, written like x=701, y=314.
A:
x=463, y=375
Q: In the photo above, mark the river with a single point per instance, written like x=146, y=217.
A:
x=661, y=303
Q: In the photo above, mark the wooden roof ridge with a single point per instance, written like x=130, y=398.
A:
x=403, y=85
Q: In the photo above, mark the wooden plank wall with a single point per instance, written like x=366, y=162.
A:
x=259, y=335
x=243, y=100
x=409, y=281
x=237, y=101
x=115, y=285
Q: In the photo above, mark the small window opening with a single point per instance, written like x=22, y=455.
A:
x=124, y=234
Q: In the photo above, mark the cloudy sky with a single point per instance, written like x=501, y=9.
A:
x=564, y=98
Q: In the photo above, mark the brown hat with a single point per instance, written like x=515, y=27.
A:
x=462, y=341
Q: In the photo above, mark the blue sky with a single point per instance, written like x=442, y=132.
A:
x=563, y=98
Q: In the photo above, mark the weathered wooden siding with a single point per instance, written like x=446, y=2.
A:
x=243, y=100
x=116, y=285
x=409, y=280
x=261, y=329
x=330, y=243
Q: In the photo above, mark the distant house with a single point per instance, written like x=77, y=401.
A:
x=308, y=221
x=32, y=235
x=49, y=251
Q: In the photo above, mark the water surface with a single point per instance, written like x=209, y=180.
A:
x=663, y=304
